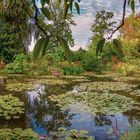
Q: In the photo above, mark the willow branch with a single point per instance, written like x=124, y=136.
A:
x=36, y=19
x=122, y=22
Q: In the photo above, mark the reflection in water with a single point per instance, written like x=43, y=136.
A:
x=44, y=116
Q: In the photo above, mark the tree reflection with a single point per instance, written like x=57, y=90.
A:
x=41, y=112
x=102, y=120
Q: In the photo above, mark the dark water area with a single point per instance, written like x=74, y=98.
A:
x=44, y=116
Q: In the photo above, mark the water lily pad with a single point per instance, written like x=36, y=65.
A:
x=52, y=81
x=10, y=107
x=19, y=86
x=93, y=103
x=105, y=86
x=135, y=92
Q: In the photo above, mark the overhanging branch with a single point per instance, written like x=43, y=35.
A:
x=36, y=19
x=123, y=20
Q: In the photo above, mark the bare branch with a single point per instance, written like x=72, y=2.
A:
x=123, y=20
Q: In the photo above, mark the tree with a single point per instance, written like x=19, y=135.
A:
x=14, y=29
x=59, y=26
x=10, y=43
x=102, y=25
x=68, y=5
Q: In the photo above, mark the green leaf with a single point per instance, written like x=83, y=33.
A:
x=129, y=1
x=71, y=4
x=46, y=12
x=133, y=5
x=100, y=45
x=77, y=7
x=66, y=10
x=40, y=48
x=47, y=1
x=118, y=47
x=65, y=46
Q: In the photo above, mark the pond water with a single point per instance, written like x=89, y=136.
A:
x=44, y=115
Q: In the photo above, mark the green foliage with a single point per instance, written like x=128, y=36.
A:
x=118, y=47
x=78, y=55
x=73, y=134
x=101, y=28
x=10, y=43
x=90, y=62
x=18, y=66
x=102, y=25
x=10, y=107
x=131, y=3
x=40, y=48
x=126, y=69
x=100, y=45
x=59, y=31
x=17, y=134
x=14, y=15
x=71, y=68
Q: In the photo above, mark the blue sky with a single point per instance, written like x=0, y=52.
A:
x=82, y=31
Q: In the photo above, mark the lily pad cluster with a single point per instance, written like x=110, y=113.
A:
x=52, y=81
x=19, y=86
x=106, y=86
x=135, y=92
x=10, y=107
x=93, y=103
x=73, y=134
x=73, y=77
x=17, y=134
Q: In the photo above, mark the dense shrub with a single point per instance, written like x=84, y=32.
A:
x=90, y=62
x=78, y=55
x=10, y=45
x=19, y=65
x=71, y=68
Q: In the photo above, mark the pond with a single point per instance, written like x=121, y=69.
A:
x=106, y=106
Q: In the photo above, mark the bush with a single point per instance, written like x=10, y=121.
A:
x=125, y=69
x=17, y=134
x=78, y=55
x=71, y=68
x=90, y=62
x=19, y=65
